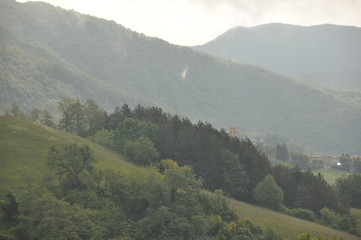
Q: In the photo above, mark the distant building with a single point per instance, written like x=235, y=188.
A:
x=232, y=131
x=328, y=161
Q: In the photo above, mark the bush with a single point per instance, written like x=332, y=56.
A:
x=303, y=214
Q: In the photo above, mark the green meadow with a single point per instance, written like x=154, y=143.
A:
x=287, y=226
x=331, y=174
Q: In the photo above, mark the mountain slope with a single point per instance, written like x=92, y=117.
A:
x=326, y=54
x=24, y=148
x=85, y=57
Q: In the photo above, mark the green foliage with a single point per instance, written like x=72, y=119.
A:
x=349, y=190
x=301, y=160
x=104, y=137
x=141, y=151
x=234, y=176
x=329, y=217
x=130, y=130
x=94, y=116
x=302, y=213
x=72, y=164
x=303, y=189
x=268, y=194
x=45, y=217
x=282, y=152
x=307, y=236
x=9, y=208
x=47, y=119
x=80, y=118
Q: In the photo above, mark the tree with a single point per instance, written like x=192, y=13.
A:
x=45, y=217
x=15, y=111
x=235, y=179
x=66, y=111
x=94, y=117
x=349, y=190
x=77, y=110
x=282, y=152
x=34, y=115
x=182, y=180
x=72, y=111
x=303, y=197
x=141, y=150
x=72, y=163
x=300, y=159
x=357, y=165
x=47, y=119
x=104, y=137
x=9, y=207
x=131, y=129
x=268, y=194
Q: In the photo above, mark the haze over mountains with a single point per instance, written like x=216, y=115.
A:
x=325, y=54
x=47, y=54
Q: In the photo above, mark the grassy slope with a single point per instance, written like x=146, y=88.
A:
x=284, y=225
x=23, y=150
x=24, y=146
x=357, y=212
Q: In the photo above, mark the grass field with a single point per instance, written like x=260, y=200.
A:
x=23, y=150
x=24, y=147
x=287, y=226
x=331, y=174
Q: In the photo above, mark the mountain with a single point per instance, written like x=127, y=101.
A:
x=48, y=53
x=324, y=54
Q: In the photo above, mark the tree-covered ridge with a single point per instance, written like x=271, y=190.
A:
x=81, y=196
x=50, y=54
x=146, y=134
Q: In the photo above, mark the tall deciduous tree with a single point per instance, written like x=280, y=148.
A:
x=47, y=119
x=94, y=117
x=72, y=162
x=67, y=115
x=268, y=194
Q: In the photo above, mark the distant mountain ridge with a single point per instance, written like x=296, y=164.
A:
x=47, y=53
x=326, y=54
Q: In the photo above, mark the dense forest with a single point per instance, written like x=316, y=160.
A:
x=48, y=54
x=201, y=154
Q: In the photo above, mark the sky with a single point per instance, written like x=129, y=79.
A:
x=195, y=22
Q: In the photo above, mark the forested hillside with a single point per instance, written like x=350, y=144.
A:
x=48, y=54
x=55, y=185
x=326, y=54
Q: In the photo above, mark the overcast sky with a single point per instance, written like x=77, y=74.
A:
x=193, y=22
